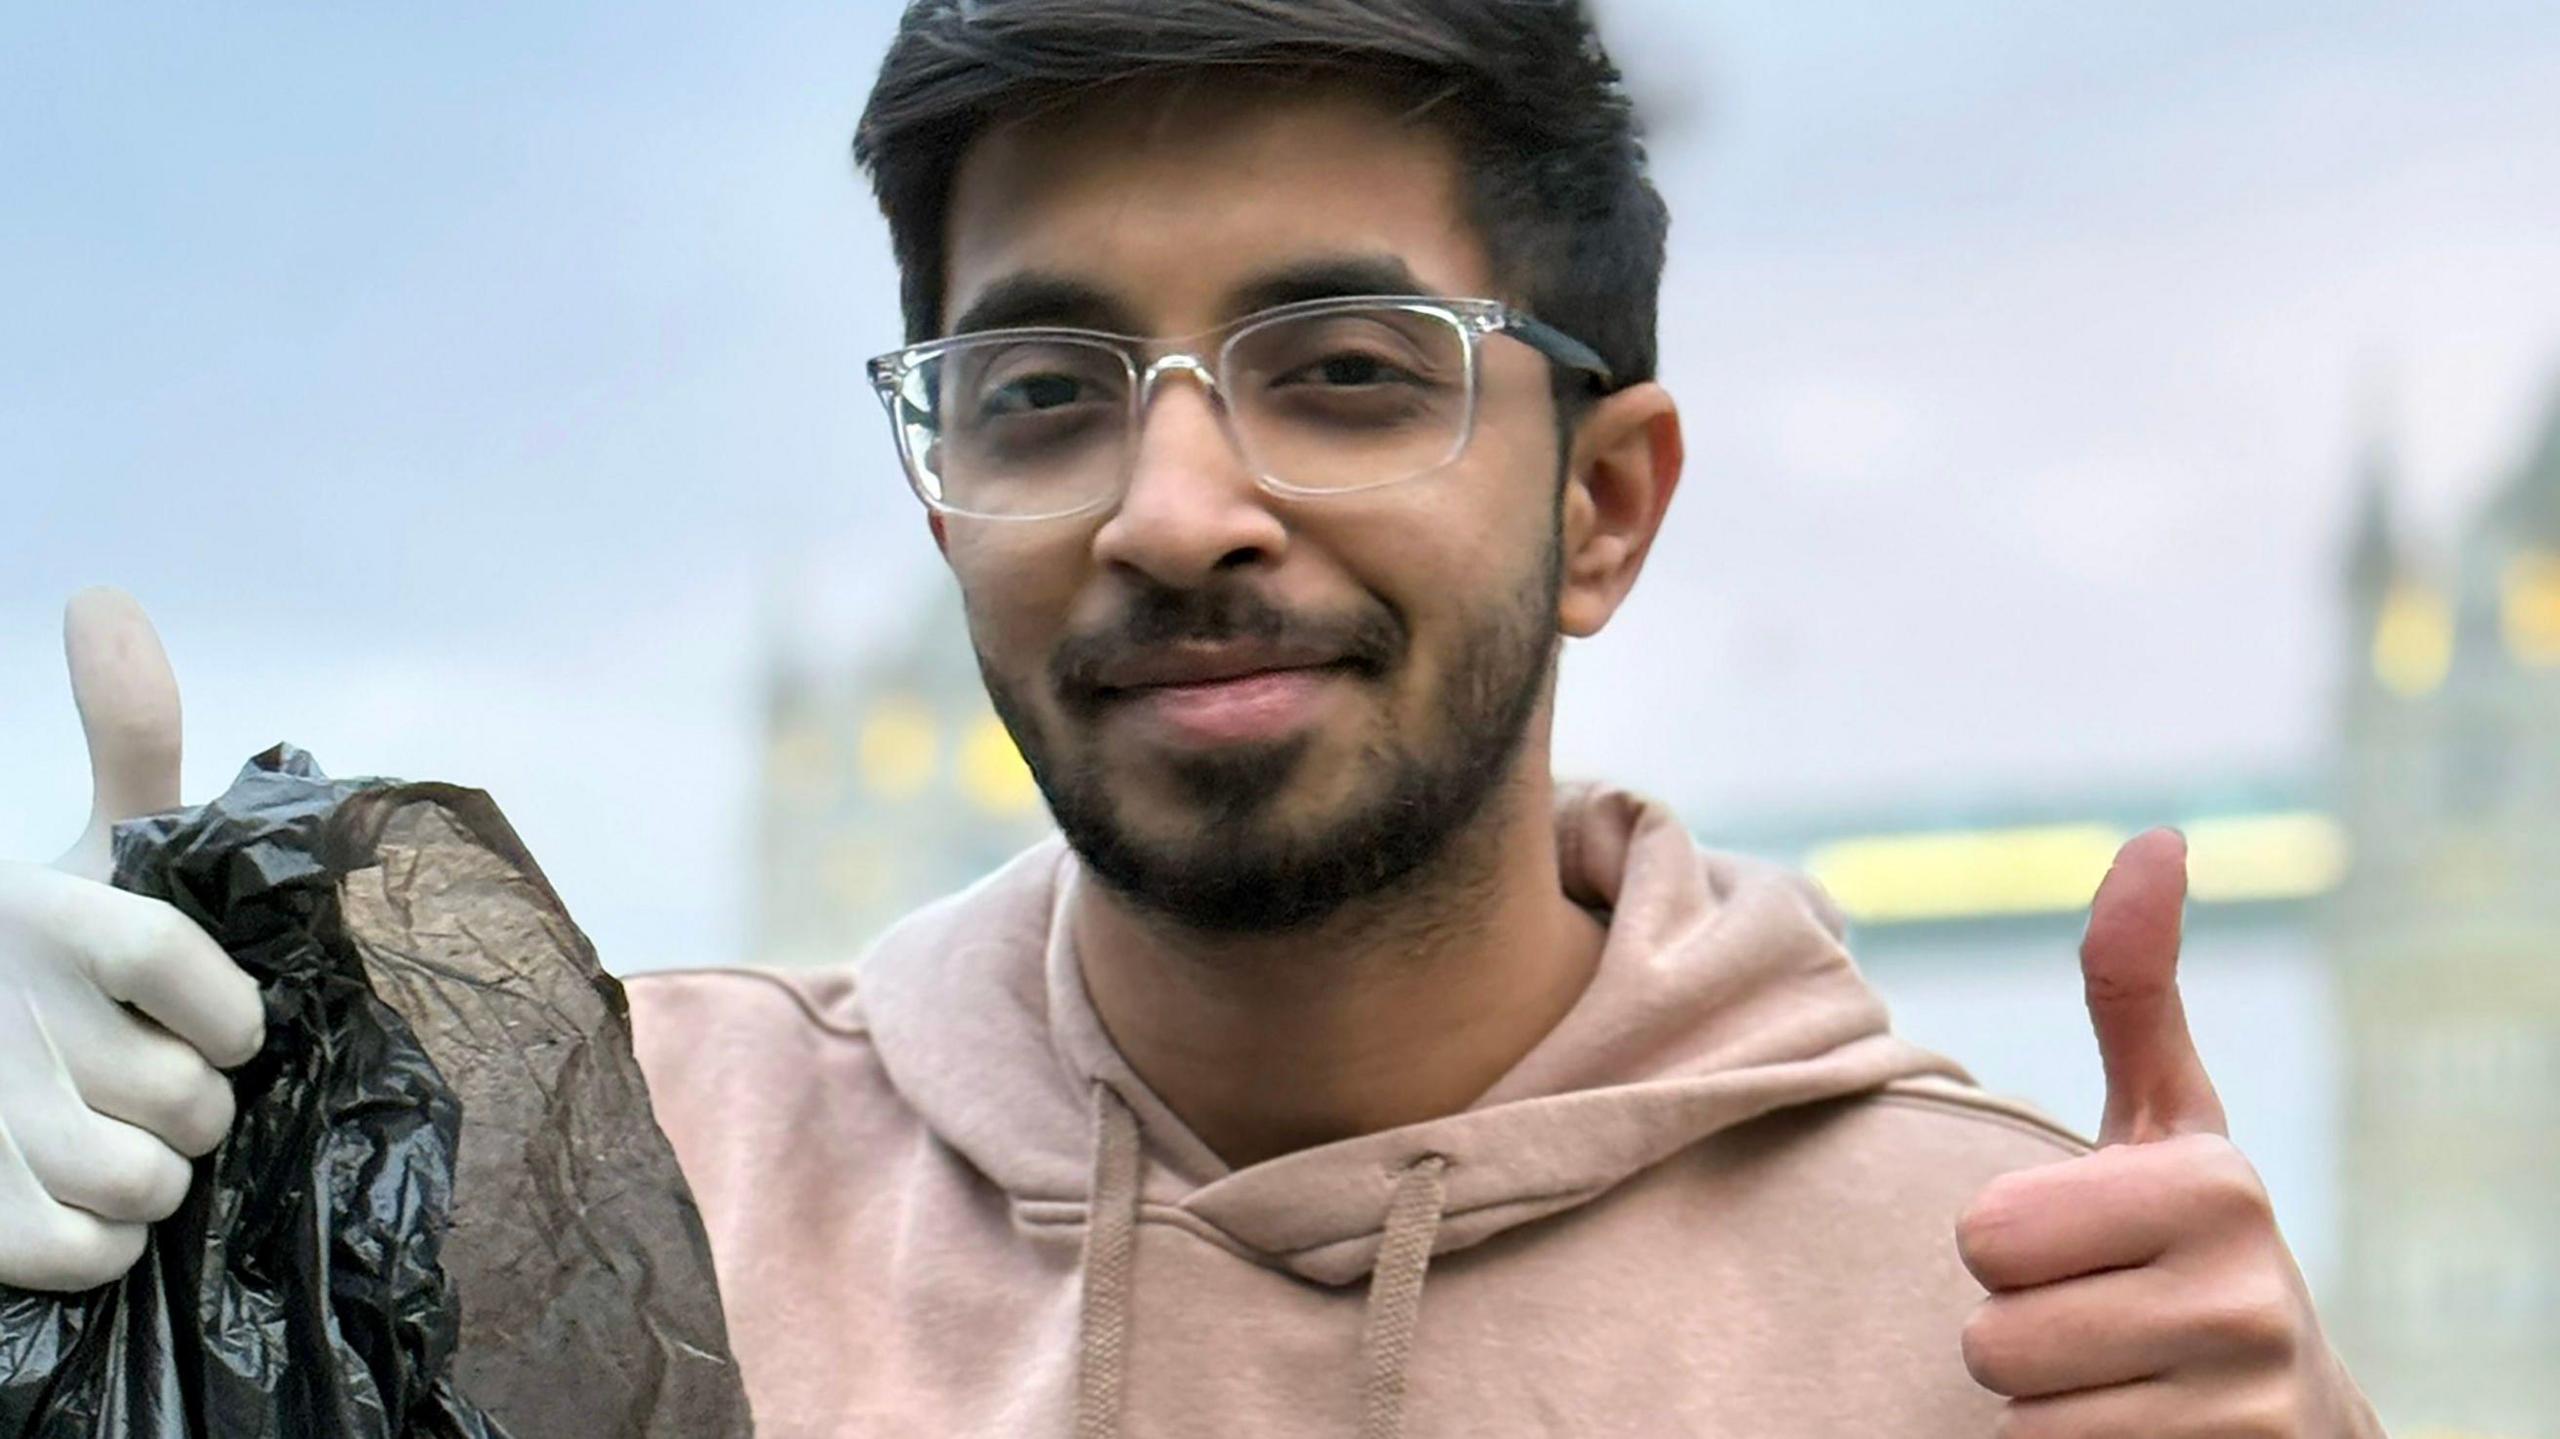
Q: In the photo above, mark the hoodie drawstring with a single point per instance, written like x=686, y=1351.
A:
x=1395, y=1294
x=1110, y=1250
x=1110, y=1243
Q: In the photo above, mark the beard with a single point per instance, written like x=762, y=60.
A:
x=1246, y=869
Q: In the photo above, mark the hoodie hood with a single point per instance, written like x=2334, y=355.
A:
x=1723, y=993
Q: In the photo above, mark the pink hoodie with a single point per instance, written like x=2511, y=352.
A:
x=1718, y=1198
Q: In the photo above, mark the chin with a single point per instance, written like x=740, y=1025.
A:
x=1302, y=785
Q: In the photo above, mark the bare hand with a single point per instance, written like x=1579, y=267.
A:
x=2143, y=1290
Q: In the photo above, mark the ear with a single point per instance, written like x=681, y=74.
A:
x=941, y=537
x=1624, y=465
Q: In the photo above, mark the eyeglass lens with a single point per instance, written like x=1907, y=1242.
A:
x=1335, y=400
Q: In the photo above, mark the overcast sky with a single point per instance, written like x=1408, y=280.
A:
x=451, y=381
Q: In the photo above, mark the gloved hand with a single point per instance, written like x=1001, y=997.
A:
x=115, y=1010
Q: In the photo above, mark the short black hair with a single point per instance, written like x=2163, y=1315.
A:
x=1555, y=162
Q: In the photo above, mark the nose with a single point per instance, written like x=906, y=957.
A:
x=1191, y=507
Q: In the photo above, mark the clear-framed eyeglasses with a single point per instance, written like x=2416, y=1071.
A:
x=1324, y=397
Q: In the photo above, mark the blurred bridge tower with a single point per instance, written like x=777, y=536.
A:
x=2446, y=940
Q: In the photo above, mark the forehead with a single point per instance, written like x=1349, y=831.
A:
x=1177, y=203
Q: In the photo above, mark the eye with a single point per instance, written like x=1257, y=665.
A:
x=1010, y=379
x=1029, y=394
x=1349, y=369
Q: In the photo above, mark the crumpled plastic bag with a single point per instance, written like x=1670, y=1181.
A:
x=445, y=1210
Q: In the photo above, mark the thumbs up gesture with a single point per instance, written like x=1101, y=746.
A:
x=2143, y=1289
x=114, y=1009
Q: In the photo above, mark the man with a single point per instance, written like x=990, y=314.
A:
x=1281, y=395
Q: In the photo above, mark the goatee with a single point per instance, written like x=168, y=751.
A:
x=1244, y=869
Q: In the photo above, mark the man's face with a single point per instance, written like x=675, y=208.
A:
x=1246, y=710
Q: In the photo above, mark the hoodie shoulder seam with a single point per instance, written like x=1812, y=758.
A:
x=799, y=998
x=1986, y=1110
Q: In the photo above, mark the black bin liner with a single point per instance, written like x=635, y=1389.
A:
x=445, y=1210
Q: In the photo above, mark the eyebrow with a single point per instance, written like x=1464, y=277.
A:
x=1326, y=278
x=1041, y=298
x=1029, y=298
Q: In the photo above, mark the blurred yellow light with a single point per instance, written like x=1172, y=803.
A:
x=2054, y=869
x=2413, y=640
x=2265, y=856
x=899, y=748
x=2532, y=608
x=1949, y=874
x=992, y=773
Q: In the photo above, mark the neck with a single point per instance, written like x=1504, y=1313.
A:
x=1393, y=1011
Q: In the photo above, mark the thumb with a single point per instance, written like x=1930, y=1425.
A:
x=2156, y=1084
x=128, y=702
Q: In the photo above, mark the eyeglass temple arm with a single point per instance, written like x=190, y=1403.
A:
x=1558, y=346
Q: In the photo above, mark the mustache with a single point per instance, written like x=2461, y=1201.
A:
x=1369, y=641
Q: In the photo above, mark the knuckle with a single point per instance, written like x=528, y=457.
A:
x=118, y=1174
x=2268, y=1412
x=146, y=1189
x=2254, y=1318
x=170, y=1177
x=150, y=933
x=118, y=1253
x=2239, y=1194
x=74, y=1255
x=201, y=1120
x=1977, y=1234
x=1984, y=1228
x=170, y=939
x=121, y=1192
x=1986, y=1347
x=2225, y=1182
x=2000, y=1234
x=250, y=1035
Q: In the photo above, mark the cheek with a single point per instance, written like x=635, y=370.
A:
x=1018, y=588
x=1450, y=568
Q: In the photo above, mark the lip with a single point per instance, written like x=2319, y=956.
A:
x=1260, y=706
x=1207, y=664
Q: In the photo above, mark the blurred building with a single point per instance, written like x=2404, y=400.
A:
x=2386, y=922
x=2446, y=938
x=883, y=786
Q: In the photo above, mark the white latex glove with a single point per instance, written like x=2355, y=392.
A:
x=114, y=1009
